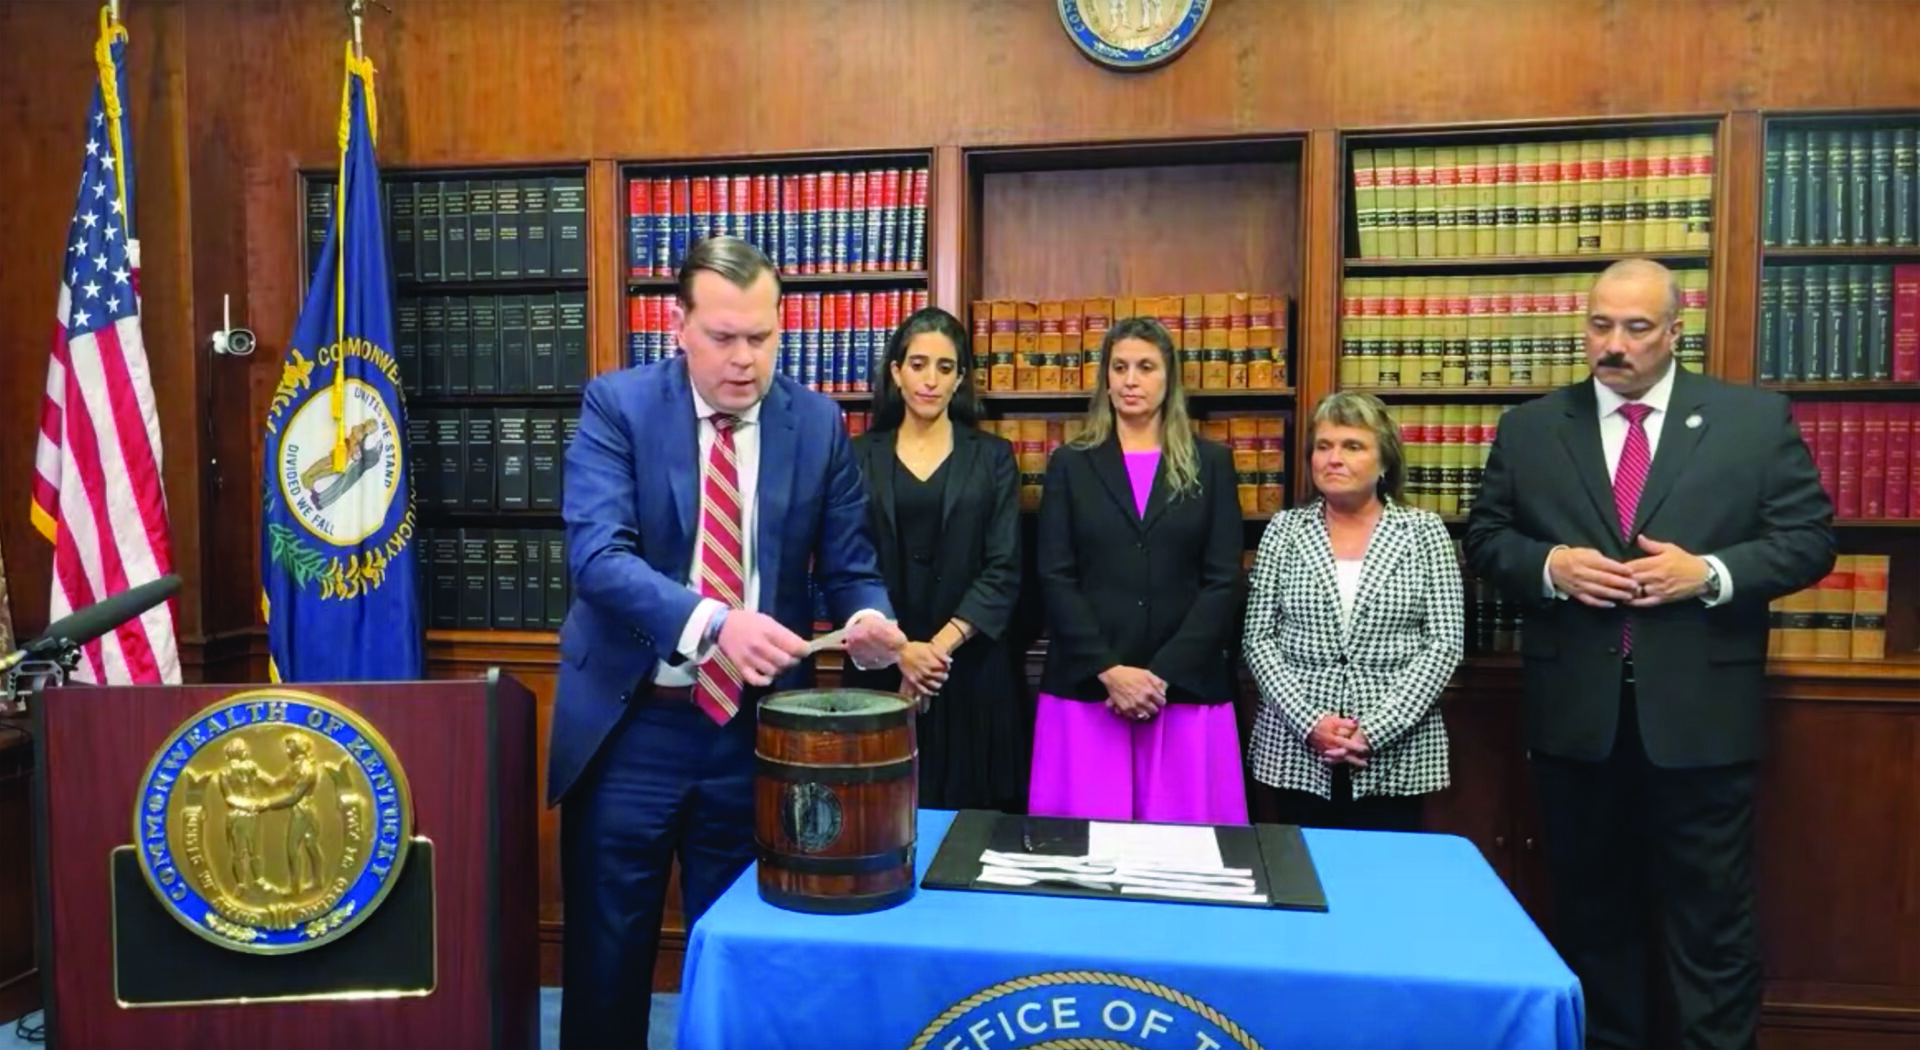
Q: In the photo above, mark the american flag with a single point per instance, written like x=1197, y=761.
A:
x=96, y=490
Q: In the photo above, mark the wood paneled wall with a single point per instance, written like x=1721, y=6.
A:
x=231, y=97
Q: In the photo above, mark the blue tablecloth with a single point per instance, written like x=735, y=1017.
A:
x=1421, y=946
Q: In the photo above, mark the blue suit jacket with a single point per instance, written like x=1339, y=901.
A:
x=632, y=505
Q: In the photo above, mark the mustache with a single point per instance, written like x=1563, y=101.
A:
x=1613, y=360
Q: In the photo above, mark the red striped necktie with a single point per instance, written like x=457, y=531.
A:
x=1636, y=457
x=721, y=574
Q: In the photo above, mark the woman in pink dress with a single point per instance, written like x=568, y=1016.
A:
x=1139, y=561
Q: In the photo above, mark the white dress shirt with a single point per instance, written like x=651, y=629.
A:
x=746, y=461
x=1613, y=441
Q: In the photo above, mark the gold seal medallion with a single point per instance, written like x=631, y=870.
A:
x=273, y=821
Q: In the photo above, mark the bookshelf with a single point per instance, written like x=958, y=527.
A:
x=1838, y=332
x=1061, y=241
x=1465, y=256
x=849, y=232
x=491, y=275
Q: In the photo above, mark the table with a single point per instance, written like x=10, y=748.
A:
x=1421, y=946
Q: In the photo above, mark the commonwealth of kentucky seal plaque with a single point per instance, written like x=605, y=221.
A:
x=273, y=821
x=1133, y=34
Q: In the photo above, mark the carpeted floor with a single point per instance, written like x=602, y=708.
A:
x=666, y=1019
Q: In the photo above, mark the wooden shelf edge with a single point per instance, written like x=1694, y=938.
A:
x=790, y=280
x=1849, y=387
x=1579, y=259
x=1777, y=253
x=1397, y=392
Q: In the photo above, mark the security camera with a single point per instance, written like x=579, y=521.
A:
x=239, y=342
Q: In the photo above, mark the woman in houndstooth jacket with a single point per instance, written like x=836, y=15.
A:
x=1353, y=628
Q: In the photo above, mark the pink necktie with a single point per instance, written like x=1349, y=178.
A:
x=1628, y=479
x=721, y=574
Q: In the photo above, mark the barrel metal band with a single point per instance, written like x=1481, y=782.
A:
x=833, y=723
x=885, y=860
x=802, y=773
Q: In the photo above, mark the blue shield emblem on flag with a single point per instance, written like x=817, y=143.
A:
x=341, y=586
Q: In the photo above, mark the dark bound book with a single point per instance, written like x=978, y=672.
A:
x=506, y=229
x=533, y=580
x=480, y=230
x=433, y=346
x=567, y=226
x=446, y=579
x=426, y=239
x=510, y=458
x=459, y=346
x=543, y=341
x=449, y=436
x=478, y=457
x=543, y=459
x=514, y=357
x=559, y=581
x=476, y=579
x=484, y=321
x=507, y=581
x=453, y=232
x=573, y=362
x=536, y=253
x=406, y=344
x=400, y=228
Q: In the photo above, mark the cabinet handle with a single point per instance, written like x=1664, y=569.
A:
x=1500, y=842
x=1529, y=842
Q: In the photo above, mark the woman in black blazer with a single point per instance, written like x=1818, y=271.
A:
x=1139, y=559
x=943, y=506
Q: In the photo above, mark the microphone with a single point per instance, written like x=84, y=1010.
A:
x=82, y=626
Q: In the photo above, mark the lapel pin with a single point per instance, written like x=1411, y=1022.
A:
x=1693, y=421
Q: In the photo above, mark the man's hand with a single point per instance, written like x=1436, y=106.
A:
x=923, y=670
x=1134, y=692
x=874, y=642
x=1667, y=574
x=758, y=646
x=1591, y=577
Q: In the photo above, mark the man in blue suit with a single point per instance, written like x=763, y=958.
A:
x=697, y=493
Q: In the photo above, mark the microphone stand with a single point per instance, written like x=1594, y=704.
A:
x=48, y=671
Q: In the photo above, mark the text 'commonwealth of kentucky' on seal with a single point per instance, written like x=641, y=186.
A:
x=338, y=560
x=273, y=821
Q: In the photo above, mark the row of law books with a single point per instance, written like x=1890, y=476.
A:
x=450, y=230
x=1843, y=617
x=1840, y=324
x=1841, y=187
x=1225, y=340
x=815, y=222
x=459, y=345
x=1445, y=447
x=1258, y=443
x=1865, y=453
x=829, y=341
x=1484, y=332
x=1493, y=618
x=489, y=459
x=1595, y=196
x=480, y=579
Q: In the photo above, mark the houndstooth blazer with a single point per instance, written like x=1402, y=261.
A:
x=1387, y=670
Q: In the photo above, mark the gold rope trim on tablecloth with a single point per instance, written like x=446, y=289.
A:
x=1043, y=980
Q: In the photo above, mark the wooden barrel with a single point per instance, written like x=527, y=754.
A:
x=835, y=796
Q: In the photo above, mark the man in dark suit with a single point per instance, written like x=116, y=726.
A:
x=697, y=491
x=1646, y=518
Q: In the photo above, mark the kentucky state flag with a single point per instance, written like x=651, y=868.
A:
x=338, y=558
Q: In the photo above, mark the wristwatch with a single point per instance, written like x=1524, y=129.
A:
x=711, y=636
x=1711, y=589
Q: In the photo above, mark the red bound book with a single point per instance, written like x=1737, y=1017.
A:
x=662, y=228
x=1906, y=323
x=917, y=254
x=890, y=219
x=860, y=249
x=639, y=211
x=1899, y=428
x=1873, y=460
x=809, y=222
x=1847, y=501
x=1826, y=446
x=701, y=226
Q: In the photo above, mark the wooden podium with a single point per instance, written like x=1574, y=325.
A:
x=447, y=956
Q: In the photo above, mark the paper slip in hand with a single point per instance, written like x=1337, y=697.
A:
x=830, y=640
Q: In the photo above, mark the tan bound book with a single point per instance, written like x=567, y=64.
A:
x=1869, y=634
x=1004, y=344
x=1193, y=333
x=1526, y=198
x=1072, y=318
x=1261, y=354
x=1366, y=214
x=1273, y=463
x=1214, y=367
x=1047, y=367
x=1096, y=315
x=1446, y=201
x=1026, y=347
x=1833, y=608
x=1506, y=197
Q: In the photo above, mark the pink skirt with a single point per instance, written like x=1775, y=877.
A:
x=1179, y=767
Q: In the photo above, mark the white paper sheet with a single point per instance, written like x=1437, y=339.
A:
x=1194, y=847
